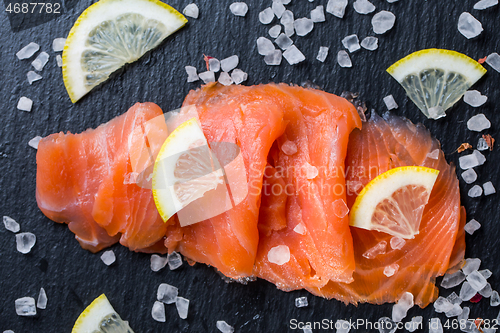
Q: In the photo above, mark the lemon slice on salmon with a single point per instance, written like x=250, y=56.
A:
x=111, y=33
x=435, y=79
x=394, y=201
x=184, y=170
x=100, y=317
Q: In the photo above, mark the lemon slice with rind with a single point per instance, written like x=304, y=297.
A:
x=100, y=317
x=394, y=201
x=111, y=33
x=435, y=79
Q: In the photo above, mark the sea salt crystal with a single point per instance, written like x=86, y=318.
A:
x=484, y=4
x=391, y=270
x=238, y=76
x=340, y=208
x=486, y=273
x=58, y=44
x=480, y=157
x=278, y=8
x=322, y=53
x=158, y=262
x=472, y=226
x=191, y=10
x=376, y=250
x=25, y=104
x=343, y=59
x=386, y=325
x=336, y=7
x=474, y=98
x=192, y=74
x=414, y=324
x=174, y=260
x=266, y=16
x=469, y=327
x=182, y=305
x=287, y=17
x=476, y=280
x=465, y=314
x=293, y=55
x=435, y=326
x=301, y=302
x=342, y=326
x=488, y=188
x=363, y=6
x=475, y=192
x=482, y=144
x=454, y=299
x=229, y=63
x=274, y=59
x=390, y=102
x=207, y=76
x=108, y=257
x=478, y=123
x=275, y=31
x=279, y=255
x=224, y=327
x=59, y=61
x=25, y=306
x=167, y=293
x=370, y=43
x=307, y=329
x=225, y=79
x=27, y=51
x=318, y=14
x=469, y=176
x=494, y=298
x=8, y=331
x=214, y=65
x=300, y=229
x=289, y=148
x=32, y=77
x=289, y=29
x=351, y=43
x=158, y=312
x=25, y=242
x=303, y=26
x=452, y=280
x=11, y=224
x=238, y=8
x=42, y=299
x=442, y=305
x=397, y=243
x=471, y=265
x=40, y=61
x=467, y=292
x=468, y=161
x=283, y=41
x=469, y=26
x=383, y=21
x=487, y=291
x=265, y=46
x=454, y=311
x=494, y=61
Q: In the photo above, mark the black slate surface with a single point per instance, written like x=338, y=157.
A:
x=73, y=277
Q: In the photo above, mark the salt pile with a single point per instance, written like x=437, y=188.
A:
x=383, y=21
x=25, y=242
x=274, y=58
x=182, y=305
x=58, y=44
x=40, y=61
x=11, y=224
x=278, y=8
x=42, y=299
x=275, y=31
x=229, y=63
x=485, y=4
x=207, y=76
x=475, y=191
x=336, y=7
x=488, y=188
x=25, y=104
x=32, y=77
x=214, y=65
x=390, y=102
x=25, y=306
x=303, y=26
x=343, y=59
x=108, y=257
x=469, y=176
x=265, y=46
x=158, y=312
x=283, y=41
x=376, y=250
x=191, y=10
x=27, y=51
x=266, y=16
x=158, y=262
x=239, y=76
x=452, y=280
x=174, y=260
x=474, y=98
x=238, y=8
x=293, y=55
x=351, y=43
x=301, y=302
x=370, y=43
x=225, y=79
x=494, y=61
x=322, y=53
x=224, y=327
x=363, y=6
x=318, y=14
x=279, y=255
x=469, y=26
x=472, y=226
x=167, y=293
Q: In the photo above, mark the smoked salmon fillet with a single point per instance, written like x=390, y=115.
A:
x=383, y=144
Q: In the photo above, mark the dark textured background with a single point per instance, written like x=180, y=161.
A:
x=73, y=277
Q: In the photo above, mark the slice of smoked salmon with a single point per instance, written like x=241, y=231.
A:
x=382, y=144
x=299, y=209
x=80, y=181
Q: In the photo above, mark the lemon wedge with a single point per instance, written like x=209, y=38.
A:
x=394, y=201
x=185, y=169
x=100, y=317
x=111, y=33
x=435, y=79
